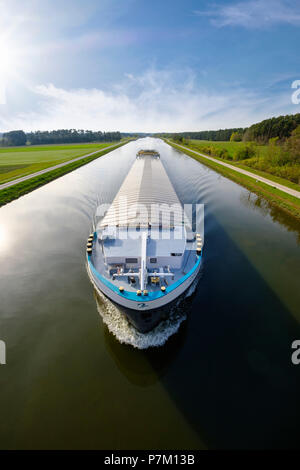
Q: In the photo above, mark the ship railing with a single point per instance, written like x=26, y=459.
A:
x=141, y=278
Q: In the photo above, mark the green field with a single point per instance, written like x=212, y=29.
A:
x=21, y=161
x=288, y=203
x=232, y=147
x=19, y=189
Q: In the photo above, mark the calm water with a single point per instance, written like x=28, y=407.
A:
x=224, y=380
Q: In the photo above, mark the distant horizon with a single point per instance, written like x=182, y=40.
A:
x=146, y=132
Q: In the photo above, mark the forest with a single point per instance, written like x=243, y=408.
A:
x=60, y=136
x=281, y=127
x=219, y=135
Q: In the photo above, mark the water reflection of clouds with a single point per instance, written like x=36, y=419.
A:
x=4, y=239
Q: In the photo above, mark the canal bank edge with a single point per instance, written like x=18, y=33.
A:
x=19, y=189
x=274, y=196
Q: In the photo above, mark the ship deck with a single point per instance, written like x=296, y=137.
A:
x=188, y=262
x=145, y=240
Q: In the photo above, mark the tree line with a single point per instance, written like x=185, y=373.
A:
x=281, y=127
x=60, y=136
x=219, y=135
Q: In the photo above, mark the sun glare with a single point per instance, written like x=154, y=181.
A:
x=7, y=55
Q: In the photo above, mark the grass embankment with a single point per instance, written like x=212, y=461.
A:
x=19, y=189
x=288, y=203
x=249, y=164
x=16, y=162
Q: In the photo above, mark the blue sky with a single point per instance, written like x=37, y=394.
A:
x=136, y=65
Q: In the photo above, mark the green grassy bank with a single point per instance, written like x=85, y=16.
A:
x=232, y=147
x=19, y=189
x=286, y=202
x=270, y=160
x=16, y=162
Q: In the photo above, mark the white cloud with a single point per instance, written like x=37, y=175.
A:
x=157, y=100
x=2, y=92
x=255, y=13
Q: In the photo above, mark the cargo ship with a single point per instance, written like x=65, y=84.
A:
x=143, y=254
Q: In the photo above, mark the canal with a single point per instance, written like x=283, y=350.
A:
x=224, y=380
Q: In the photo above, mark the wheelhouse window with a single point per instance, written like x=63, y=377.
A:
x=131, y=260
x=176, y=254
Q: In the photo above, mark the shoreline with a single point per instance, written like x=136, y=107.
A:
x=288, y=203
x=17, y=190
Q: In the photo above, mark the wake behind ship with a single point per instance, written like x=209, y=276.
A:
x=143, y=254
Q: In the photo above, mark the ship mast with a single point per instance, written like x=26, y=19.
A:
x=143, y=269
